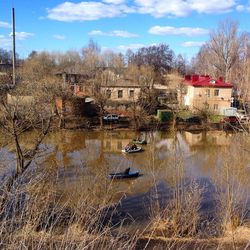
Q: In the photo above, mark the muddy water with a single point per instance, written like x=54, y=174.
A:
x=82, y=160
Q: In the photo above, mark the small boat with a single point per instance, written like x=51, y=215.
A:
x=136, y=141
x=123, y=175
x=132, y=150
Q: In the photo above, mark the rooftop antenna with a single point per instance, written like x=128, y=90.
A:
x=13, y=47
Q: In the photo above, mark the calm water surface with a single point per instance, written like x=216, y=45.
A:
x=84, y=159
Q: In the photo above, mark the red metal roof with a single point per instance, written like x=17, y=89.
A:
x=206, y=81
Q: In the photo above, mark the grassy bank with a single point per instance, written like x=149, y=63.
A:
x=36, y=218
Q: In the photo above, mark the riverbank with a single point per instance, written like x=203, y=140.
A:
x=48, y=222
x=77, y=241
x=126, y=124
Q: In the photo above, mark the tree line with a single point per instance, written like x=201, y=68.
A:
x=226, y=54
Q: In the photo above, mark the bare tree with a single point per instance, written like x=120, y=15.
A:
x=242, y=70
x=37, y=67
x=180, y=64
x=202, y=62
x=18, y=117
x=70, y=61
x=113, y=60
x=148, y=97
x=5, y=56
x=91, y=58
x=159, y=57
x=99, y=85
x=224, y=46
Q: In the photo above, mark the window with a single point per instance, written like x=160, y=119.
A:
x=73, y=79
x=108, y=93
x=120, y=93
x=208, y=92
x=131, y=93
x=216, y=92
x=215, y=106
x=206, y=105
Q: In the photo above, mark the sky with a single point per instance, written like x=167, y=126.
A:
x=57, y=25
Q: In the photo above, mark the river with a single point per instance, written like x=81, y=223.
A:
x=81, y=161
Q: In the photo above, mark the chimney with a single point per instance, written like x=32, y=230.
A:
x=188, y=77
x=195, y=78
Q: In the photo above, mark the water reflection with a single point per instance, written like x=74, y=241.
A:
x=84, y=159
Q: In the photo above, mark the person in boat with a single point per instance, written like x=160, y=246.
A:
x=127, y=171
x=134, y=146
x=127, y=147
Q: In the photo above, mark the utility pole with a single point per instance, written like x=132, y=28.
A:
x=13, y=47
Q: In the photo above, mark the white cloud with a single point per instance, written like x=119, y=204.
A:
x=115, y=33
x=241, y=8
x=86, y=11
x=59, y=37
x=169, y=30
x=114, y=1
x=5, y=42
x=189, y=44
x=5, y=25
x=133, y=46
x=159, y=8
x=91, y=10
x=22, y=35
x=212, y=6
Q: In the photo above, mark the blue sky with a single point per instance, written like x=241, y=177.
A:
x=57, y=25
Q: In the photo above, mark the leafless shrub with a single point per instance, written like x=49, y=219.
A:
x=179, y=218
x=232, y=185
x=38, y=217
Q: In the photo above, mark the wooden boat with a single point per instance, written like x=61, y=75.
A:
x=130, y=150
x=139, y=141
x=123, y=175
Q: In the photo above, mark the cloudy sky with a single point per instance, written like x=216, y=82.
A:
x=117, y=24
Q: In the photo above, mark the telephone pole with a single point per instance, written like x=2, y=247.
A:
x=13, y=47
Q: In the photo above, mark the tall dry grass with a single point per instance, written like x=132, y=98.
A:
x=179, y=215
x=232, y=191
x=36, y=217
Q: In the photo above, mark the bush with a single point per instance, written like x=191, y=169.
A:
x=164, y=115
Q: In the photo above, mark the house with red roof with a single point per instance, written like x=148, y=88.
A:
x=203, y=92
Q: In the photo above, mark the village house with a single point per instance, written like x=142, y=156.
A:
x=80, y=104
x=166, y=96
x=121, y=90
x=76, y=83
x=203, y=92
x=118, y=91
